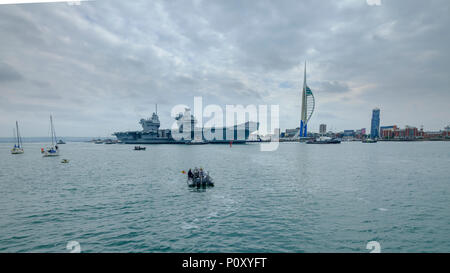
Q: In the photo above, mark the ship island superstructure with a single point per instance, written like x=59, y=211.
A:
x=152, y=134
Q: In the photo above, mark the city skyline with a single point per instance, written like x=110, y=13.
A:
x=100, y=66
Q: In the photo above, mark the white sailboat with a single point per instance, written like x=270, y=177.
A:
x=18, y=149
x=53, y=150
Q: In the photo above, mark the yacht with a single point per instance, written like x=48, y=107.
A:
x=18, y=149
x=53, y=150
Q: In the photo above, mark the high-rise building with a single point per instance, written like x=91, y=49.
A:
x=323, y=129
x=375, y=125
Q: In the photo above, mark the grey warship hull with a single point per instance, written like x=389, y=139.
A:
x=139, y=137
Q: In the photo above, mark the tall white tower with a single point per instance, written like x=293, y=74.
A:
x=308, y=104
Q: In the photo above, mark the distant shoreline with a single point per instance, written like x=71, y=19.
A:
x=89, y=139
x=45, y=139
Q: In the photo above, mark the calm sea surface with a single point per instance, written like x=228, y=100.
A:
x=301, y=198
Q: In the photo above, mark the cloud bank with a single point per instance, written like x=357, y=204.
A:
x=101, y=66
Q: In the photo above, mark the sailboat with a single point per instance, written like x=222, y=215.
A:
x=18, y=149
x=53, y=150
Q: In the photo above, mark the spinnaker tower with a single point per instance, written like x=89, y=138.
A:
x=308, y=105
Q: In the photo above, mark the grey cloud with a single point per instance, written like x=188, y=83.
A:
x=332, y=87
x=8, y=73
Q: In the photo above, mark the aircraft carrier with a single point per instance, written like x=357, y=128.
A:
x=152, y=134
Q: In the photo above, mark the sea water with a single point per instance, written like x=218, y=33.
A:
x=299, y=198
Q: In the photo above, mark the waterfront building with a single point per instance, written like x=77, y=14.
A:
x=410, y=132
x=339, y=134
x=323, y=129
x=375, y=124
x=388, y=132
x=437, y=135
x=349, y=133
x=434, y=135
x=360, y=134
x=395, y=133
x=290, y=133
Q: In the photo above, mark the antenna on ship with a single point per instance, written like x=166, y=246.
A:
x=156, y=108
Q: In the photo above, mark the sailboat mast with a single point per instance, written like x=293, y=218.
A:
x=17, y=134
x=54, y=132
x=52, y=129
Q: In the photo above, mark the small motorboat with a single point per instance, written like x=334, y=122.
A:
x=369, y=140
x=61, y=142
x=139, y=148
x=51, y=151
x=324, y=140
x=200, y=182
x=65, y=161
x=196, y=142
x=109, y=141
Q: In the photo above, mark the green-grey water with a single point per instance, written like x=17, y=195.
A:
x=300, y=198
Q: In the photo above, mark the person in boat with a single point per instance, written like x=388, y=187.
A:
x=201, y=173
x=56, y=147
x=190, y=175
x=196, y=173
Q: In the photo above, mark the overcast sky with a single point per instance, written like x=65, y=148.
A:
x=101, y=66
